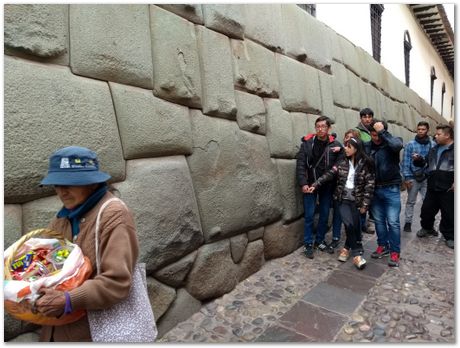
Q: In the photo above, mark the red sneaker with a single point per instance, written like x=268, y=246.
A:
x=380, y=252
x=394, y=259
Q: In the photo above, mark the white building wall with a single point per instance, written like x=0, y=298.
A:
x=353, y=22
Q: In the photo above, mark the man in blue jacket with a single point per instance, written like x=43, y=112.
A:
x=386, y=203
x=440, y=192
x=415, y=177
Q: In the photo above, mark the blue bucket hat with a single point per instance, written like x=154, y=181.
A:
x=74, y=166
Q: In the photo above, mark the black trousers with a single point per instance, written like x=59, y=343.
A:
x=351, y=220
x=433, y=202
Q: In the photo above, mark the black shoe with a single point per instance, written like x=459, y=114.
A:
x=334, y=244
x=321, y=246
x=407, y=227
x=421, y=233
x=308, y=251
x=450, y=243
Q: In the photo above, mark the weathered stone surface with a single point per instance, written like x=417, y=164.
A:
x=176, y=72
x=232, y=176
x=214, y=272
x=192, y=12
x=175, y=273
x=302, y=124
x=111, y=42
x=39, y=213
x=340, y=87
x=293, y=22
x=12, y=224
x=216, y=73
x=253, y=67
x=150, y=126
x=375, y=72
x=363, y=86
x=38, y=30
x=264, y=25
x=291, y=195
x=327, y=100
x=280, y=240
x=159, y=191
x=160, y=296
x=238, y=246
x=225, y=18
x=183, y=307
x=46, y=108
x=350, y=56
x=256, y=234
x=332, y=38
x=251, y=113
x=318, y=53
x=353, y=86
x=296, y=88
x=279, y=130
x=253, y=259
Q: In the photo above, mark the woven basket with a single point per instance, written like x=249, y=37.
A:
x=23, y=310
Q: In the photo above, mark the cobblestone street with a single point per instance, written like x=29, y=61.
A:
x=295, y=299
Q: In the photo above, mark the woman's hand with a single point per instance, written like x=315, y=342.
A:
x=362, y=210
x=52, y=303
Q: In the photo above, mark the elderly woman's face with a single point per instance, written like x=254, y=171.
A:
x=72, y=196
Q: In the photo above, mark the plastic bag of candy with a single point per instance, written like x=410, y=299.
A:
x=33, y=263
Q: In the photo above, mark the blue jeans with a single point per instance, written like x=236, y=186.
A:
x=324, y=195
x=386, y=208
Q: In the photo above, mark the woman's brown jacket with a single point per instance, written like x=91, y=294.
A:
x=119, y=250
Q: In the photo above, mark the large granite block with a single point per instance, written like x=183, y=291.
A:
x=227, y=19
x=299, y=85
x=353, y=86
x=161, y=297
x=350, y=56
x=176, y=66
x=293, y=21
x=340, y=87
x=37, y=30
x=253, y=259
x=233, y=177
x=327, y=99
x=159, y=191
x=291, y=195
x=280, y=240
x=264, y=25
x=319, y=54
x=279, y=130
x=302, y=124
x=251, y=115
x=12, y=224
x=150, y=126
x=214, y=272
x=216, y=73
x=46, y=108
x=39, y=213
x=112, y=43
x=192, y=12
x=254, y=67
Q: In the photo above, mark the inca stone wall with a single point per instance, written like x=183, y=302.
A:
x=197, y=113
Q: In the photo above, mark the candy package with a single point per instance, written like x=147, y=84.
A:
x=32, y=263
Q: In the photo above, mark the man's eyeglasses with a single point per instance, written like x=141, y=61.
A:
x=321, y=127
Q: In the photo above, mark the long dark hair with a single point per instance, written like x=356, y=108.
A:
x=361, y=153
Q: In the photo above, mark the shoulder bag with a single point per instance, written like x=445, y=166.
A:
x=130, y=320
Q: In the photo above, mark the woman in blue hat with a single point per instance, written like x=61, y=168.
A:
x=82, y=188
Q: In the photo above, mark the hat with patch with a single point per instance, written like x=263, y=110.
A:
x=74, y=166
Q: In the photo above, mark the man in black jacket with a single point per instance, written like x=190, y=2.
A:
x=386, y=204
x=440, y=192
x=317, y=154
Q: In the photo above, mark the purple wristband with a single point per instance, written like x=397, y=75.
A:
x=68, y=304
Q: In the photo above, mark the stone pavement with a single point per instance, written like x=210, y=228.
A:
x=295, y=299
